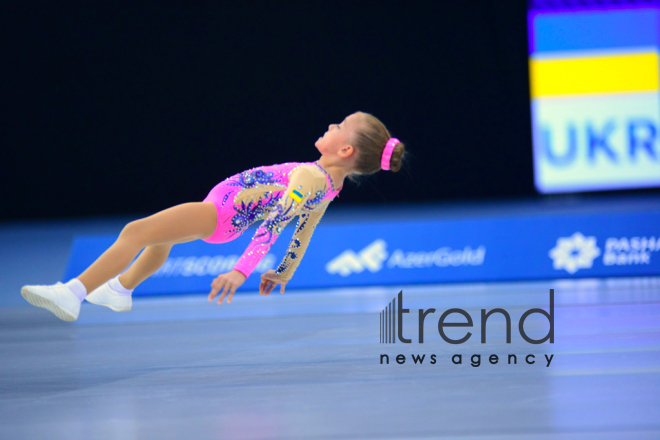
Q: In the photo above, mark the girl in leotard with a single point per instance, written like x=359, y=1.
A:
x=359, y=145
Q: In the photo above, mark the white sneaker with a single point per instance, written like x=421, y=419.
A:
x=57, y=298
x=105, y=296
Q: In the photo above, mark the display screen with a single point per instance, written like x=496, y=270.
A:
x=594, y=95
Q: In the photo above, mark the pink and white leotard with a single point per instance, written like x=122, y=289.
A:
x=275, y=194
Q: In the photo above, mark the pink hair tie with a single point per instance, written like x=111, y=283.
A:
x=387, y=153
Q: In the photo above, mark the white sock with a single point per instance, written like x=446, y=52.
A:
x=115, y=285
x=77, y=288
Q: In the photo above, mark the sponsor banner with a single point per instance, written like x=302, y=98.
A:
x=421, y=251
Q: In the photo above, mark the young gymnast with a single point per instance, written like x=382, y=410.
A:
x=359, y=145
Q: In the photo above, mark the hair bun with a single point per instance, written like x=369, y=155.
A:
x=397, y=157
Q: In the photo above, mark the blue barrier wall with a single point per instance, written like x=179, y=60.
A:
x=525, y=247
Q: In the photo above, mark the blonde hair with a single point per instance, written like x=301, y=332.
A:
x=369, y=141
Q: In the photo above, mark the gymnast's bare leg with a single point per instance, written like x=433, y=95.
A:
x=155, y=234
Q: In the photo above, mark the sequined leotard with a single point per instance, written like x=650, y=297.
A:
x=276, y=194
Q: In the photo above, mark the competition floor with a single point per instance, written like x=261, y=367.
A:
x=305, y=365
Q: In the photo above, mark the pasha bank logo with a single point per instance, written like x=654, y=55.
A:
x=574, y=253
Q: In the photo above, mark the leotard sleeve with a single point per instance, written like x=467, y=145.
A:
x=301, y=237
x=302, y=186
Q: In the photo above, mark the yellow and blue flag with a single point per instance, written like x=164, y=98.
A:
x=296, y=195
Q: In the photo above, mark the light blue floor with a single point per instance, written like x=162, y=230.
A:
x=305, y=365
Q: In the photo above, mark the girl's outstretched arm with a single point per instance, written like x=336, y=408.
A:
x=302, y=186
x=301, y=237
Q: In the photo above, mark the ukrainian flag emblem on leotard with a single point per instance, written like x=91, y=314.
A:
x=296, y=195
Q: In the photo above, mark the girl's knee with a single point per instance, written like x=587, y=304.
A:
x=133, y=232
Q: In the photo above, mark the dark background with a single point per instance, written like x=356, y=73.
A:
x=118, y=108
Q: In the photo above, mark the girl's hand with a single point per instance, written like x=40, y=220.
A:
x=229, y=281
x=268, y=282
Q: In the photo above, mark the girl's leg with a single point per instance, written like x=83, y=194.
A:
x=149, y=261
x=178, y=224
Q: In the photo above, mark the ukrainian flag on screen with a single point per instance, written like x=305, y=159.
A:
x=595, y=95
x=594, y=52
